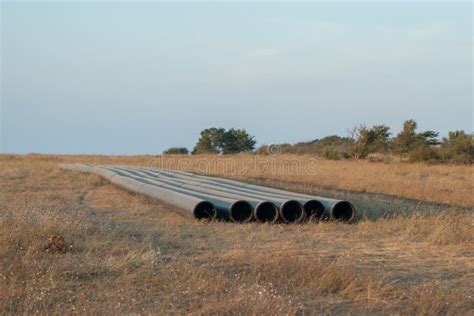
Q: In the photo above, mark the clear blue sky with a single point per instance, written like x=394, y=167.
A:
x=131, y=78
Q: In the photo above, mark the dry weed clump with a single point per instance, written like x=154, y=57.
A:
x=57, y=244
x=43, y=229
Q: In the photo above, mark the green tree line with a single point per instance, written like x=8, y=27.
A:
x=362, y=142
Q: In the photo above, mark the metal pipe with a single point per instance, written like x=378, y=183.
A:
x=232, y=208
x=225, y=193
x=265, y=210
x=290, y=210
x=312, y=208
x=340, y=210
x=199, y=208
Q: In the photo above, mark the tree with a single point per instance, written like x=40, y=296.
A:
x=369, y=140
x=408, y=139
x=378, y=138
x=237, y=140
x=176, y=151
x=210, y=141
x=218, y=140
x=359, y=147
x=429, y=138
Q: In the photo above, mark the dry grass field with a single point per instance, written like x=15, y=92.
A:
x=73, y=243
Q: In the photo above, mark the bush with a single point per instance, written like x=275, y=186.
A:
x=176, y=151
x=423, y=152
x=383, y=158
x=458, y=147
x=314, y=147
x=346, y=155
x=331, y=153
x=262, y=150
x=410, y=142
x=369, y=140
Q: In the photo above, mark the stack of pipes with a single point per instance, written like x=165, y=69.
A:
x=216, y=198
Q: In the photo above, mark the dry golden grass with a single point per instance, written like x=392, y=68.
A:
x=124, y=253
x=450, y=184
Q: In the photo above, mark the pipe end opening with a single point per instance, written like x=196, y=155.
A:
x=344, y=211
x=205, y=210
x=241, y=212
x=314, y=209
x=266, y=212
x=292, y=212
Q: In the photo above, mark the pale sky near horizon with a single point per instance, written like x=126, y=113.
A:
x=137, y=78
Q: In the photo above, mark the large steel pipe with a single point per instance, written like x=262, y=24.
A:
x=333, y=209
x=199, y=208
x=232, y=208
x=291, y=209
x=265, y=209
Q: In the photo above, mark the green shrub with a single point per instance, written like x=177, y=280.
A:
x=346, y=155
x=424, y=152
x=331, y=153
x=458, y=147
x=176, y=151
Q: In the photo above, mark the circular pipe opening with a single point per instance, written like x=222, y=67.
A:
x=205, y=210
x=292, y=212
x=266, y=212
x=343, y=211
x=314, y=209
x=241, y=212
